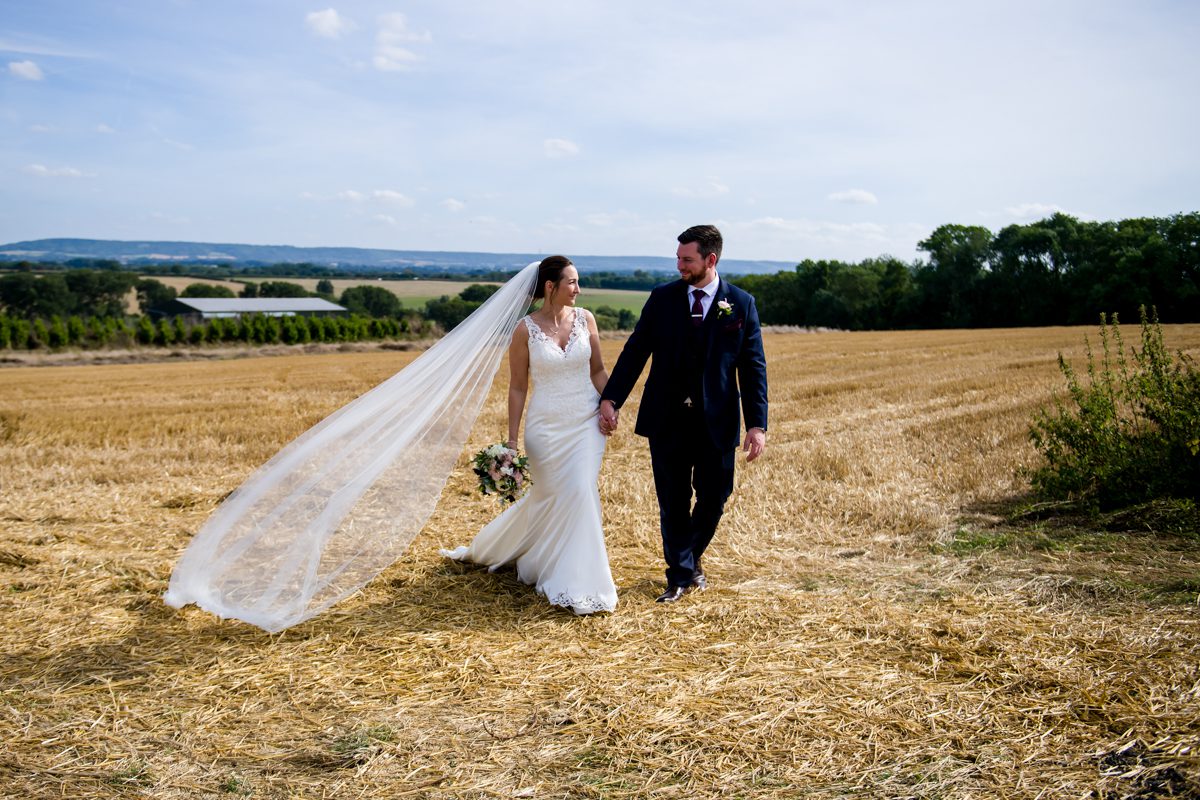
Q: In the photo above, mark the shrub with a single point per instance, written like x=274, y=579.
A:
x=374, y=301
x=39, y=335
x=206, y=290
x=1131, y=434
x=58, y=333
x=165, y=334
x=145, y=330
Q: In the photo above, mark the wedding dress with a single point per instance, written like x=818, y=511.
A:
x=554, y=535
x=341, y=502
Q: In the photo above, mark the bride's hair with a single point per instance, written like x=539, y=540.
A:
x=551, y=269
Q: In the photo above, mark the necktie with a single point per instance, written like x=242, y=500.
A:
x=697, y=308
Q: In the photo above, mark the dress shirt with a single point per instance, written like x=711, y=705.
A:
x=706, y=299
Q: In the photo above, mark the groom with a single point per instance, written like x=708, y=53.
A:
x=703, y=337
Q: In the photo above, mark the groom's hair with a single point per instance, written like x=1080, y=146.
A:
x=551, y=269
x=707, y=238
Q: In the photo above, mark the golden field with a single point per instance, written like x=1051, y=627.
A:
x=875, y=627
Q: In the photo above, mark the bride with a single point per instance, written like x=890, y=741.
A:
x=341, y=503
x=553, y=535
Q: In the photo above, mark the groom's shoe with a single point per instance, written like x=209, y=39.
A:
x=672, y=594
x=699, y=582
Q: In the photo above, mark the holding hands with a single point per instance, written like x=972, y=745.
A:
x=609, y=417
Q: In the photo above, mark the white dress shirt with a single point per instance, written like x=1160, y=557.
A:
x=706, y=299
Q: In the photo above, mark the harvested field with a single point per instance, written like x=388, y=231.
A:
x=879, y=625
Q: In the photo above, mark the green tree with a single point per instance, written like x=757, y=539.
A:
x=100, y=292
x=27, y=295
x=448, y=311
x=164, y=333
x=206, y=290
x=249, y=289
x=145, y=330
x=374, y=301
x=478, y=292
x=153, y=294
x=325, y=287
x=958, y=255
x=76, y=329
x=281, y=289
x=39, y=335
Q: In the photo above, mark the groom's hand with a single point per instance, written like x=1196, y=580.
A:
x=609, y=415
x=755, y=444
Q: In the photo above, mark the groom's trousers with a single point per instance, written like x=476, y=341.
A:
x=683, y=460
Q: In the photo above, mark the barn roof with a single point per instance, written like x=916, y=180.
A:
x=252, y=305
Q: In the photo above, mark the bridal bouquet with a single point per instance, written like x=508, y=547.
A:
x=502, y=471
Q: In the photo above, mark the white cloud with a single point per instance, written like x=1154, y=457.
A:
x=352, y=196
x=26, y=70
x=392, y=51
x=169, y=219
x=328, y=24
x=42, y=171
x=385, y=219
x=41, y=129
x=102, y=128
x=392, y=196
x=708, y=190
x=450, y=204
x=560, y=148
x=859, y=197
x=1033, y=210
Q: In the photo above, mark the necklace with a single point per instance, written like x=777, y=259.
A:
x=553, y=328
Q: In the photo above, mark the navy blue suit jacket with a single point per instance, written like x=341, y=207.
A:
x=734, y=363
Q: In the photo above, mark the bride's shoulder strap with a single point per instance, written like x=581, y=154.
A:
x=532, y=328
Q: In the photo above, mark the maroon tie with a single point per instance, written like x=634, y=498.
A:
x=697, y=309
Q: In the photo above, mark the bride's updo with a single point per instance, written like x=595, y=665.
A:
x=551, y=269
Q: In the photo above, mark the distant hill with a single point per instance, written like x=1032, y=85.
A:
x=141, y=252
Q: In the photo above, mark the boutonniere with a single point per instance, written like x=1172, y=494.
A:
x=723, y=308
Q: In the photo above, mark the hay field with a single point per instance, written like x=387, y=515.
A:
x=855, y=642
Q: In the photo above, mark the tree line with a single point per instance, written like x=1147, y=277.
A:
x=1057, y=271
x=83, y=307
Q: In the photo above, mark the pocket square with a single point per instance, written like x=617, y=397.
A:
x=730, y=327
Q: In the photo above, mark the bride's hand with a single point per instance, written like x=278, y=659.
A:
x=609, y=417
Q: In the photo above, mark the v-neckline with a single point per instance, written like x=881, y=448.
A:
x=570, y=336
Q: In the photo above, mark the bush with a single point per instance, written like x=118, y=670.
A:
x=145, y=331
x=1131, y=435
x=449, y=311
x=374, y=301
x=58, y=336
x=278, y=289
x=206, y=290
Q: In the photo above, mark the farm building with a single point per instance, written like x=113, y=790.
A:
x=200, y=309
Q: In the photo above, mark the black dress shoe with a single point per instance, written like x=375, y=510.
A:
x=699, y=582
x=672, y=594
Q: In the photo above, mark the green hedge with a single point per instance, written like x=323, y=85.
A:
x=56, y=333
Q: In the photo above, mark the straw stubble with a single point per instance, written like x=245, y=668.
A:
x=845, y=649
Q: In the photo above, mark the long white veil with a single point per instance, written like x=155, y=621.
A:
x=341, y=502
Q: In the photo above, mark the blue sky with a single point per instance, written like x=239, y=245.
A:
x=590, y=127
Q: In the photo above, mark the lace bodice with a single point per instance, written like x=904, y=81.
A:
x=560, y=374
